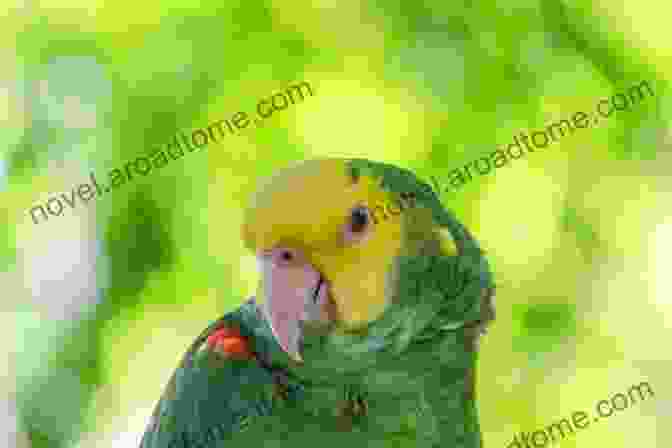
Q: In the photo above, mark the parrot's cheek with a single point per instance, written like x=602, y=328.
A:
x=294, y=293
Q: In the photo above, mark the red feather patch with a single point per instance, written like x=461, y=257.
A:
x=229, y=342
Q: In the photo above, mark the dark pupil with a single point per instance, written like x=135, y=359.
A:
x=359, y=220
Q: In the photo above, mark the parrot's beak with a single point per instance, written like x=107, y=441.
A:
x=293, y=292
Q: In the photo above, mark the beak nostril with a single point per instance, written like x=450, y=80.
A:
x=286, y=255
x=281, y=256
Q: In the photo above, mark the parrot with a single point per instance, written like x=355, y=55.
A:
x=362, y=331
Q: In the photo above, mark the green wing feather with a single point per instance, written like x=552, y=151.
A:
x=210, y=398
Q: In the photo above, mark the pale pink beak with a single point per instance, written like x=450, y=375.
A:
x=293, y=292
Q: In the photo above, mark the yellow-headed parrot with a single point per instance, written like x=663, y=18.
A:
x=363, y=330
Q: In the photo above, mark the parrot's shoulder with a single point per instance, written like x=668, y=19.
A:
x=221, y=385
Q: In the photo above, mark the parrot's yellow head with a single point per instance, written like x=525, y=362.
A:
x=312, y=230
x=325, y=254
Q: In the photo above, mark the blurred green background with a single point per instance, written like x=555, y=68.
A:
x=99, y=304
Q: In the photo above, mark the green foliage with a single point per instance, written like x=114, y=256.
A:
x=544, y=328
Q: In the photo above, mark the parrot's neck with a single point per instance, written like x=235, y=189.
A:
x=433, y=388
x=425, y=396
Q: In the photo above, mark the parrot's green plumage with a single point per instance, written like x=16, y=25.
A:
x=364, y=331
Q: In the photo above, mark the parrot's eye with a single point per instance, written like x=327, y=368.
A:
x=359, y=219
x=358, y=224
